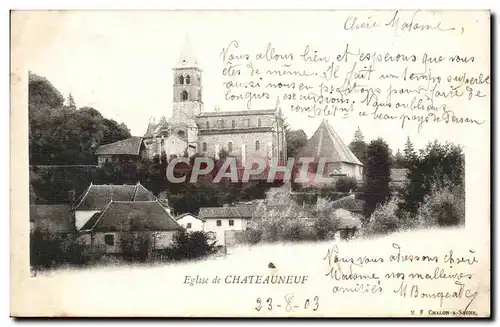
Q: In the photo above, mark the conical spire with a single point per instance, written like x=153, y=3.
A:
x=278, y=106
x=188, y=56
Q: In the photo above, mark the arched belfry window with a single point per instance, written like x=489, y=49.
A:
x=230, y=146
x=184, y=96
x=204, y=146
x=188, y=79
x=208, y=125
x=258, y=122
x=233, y=124
x=257, y=145
x=181, y=79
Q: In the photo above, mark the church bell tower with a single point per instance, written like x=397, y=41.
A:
x=187, y=101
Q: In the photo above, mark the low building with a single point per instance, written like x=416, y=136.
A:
x=96, y=197
x=191, y=222
x=55, y=221
x=218, y=220
x=131, y=149
x=326, y=144
x=106, y=232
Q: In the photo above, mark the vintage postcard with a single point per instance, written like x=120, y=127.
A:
x=250, y=163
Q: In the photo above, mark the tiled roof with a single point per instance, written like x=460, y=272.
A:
x=399, y=174
x=237, y=113
x=96, y=197
x=52, y=218
x=348, y=203
x=130, y=146
x=126, y=216
x=188, y=214
x=326, y=143
x=225, y=212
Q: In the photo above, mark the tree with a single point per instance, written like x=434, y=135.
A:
x=398, y=160
x=438, y=166
x=358, y=146
x=295, y=140
x=377, y=170
x=71, y=102
x=358, y=135
x=410, y=155
x=78, y=132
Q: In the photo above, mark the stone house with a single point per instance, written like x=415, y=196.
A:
x=96, y=198
x=326, y=144
x=52, y=220
x=218, y=220
x=105, y=231
x=131, y=149
x=191, y=222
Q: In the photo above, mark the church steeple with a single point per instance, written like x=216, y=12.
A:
x=187, y=89
x=187, y=57
x=277, y=107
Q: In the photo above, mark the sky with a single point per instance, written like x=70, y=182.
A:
x=121, y=63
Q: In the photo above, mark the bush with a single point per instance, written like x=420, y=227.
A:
x=384, y=219
x=135, y=245
x=346, y=184
x=190, y=245
x=442, y=207
x=252, y=236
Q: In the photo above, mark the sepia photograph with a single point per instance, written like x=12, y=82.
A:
x=250, y=164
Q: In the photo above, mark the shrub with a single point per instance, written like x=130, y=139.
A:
x=346, y=184
x=384, y=219
x=135, y=246
x=442, y=207
x=190, y=245
x=252, y=236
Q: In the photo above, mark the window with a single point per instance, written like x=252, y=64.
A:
x=247, y=122
x=199, y=95
x=233, y=124
x=188, y=79
x=204, y=146
x=208, y=125
x=257, y=145
x=181, y=79
x=181, y=133
x=220, y=122
x=231, y=222
x=188, y=225
x=219, y=222
x=184, y=95
x=109, y=239
x=259, y=122
x=230, y=146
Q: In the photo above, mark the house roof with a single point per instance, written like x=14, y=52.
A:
x=52, y=218
x=130, y=146
x=128, y=215
x=96, y=197
x=348, y=219
x=237, y=113
x=225, y=212
x=188, y=214
x=348, y=203
x=399, y=174
x=326, y=143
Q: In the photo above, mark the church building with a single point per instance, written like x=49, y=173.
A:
x=192, y=130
